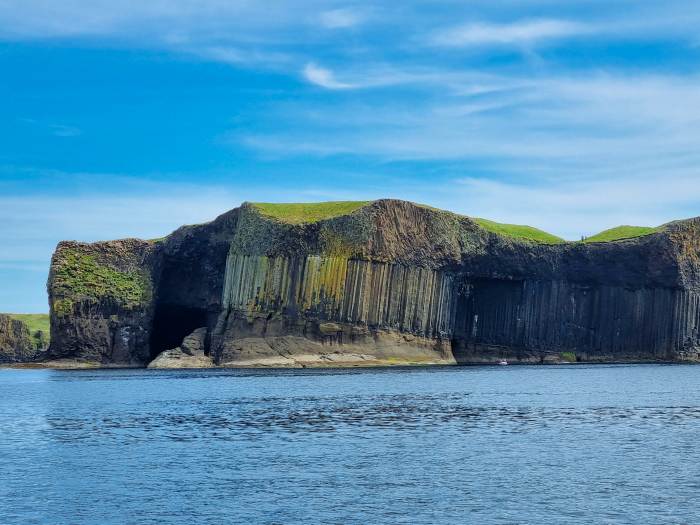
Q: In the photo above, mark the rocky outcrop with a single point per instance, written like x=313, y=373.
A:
x=190, y=354
x=101, y=299
x=16, y=343
x=391, y=282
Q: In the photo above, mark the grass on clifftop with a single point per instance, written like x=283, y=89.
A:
x=36, y=323
x=519, y=232
x=299, y=213
x=621, y=232
x=80, y=276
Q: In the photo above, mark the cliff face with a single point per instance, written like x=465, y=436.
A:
x=101, y=299
x=389, y=282
x=16, y=343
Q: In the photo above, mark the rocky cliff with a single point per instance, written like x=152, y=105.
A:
x=17, y=345
x=375, y=283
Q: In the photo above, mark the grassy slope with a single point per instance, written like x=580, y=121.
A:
x=299, y=213
x=620, y=232
x=36, y=323
x=519, y=232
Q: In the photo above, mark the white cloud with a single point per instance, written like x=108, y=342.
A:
x=591, y=123
x=281, y=35
x=323, y=77
x=341, y=18
x=584, y=207
x=241, y=56
x=524, y=32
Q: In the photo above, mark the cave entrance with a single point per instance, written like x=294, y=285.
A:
x=171, y=324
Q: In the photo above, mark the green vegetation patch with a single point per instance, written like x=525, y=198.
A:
x=569, y=357
x=81, y=276
x=621, y=232
x=35, y=322
x=527, y=233
x=39, y=326
x=300, y=213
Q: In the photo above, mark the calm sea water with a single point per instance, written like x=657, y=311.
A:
x=518, y=444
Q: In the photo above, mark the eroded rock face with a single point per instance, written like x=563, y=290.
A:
x=391, y=282
x=16, y=344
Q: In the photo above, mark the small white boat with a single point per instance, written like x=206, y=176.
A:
x=503, y=362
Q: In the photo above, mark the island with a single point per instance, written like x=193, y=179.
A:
x=383, y=282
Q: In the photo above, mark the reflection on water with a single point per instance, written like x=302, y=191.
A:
x=566, y=444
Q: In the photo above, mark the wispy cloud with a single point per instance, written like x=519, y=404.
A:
x=341, y=18
x=58, y=130
x=244, y=56
x=245, y=33
x=324, y=77
x=523, y=32
x=65, y=131
x=601, y=121
x=584, y=207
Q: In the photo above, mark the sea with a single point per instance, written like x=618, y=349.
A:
x=559, y=444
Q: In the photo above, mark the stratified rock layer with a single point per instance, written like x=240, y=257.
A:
x=392, y=282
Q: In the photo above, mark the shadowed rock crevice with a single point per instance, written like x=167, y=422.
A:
x=171, y=324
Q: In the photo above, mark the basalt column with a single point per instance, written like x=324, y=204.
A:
x=335, y=299
x=534, y=321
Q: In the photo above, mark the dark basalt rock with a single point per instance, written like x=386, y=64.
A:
x=391, y=282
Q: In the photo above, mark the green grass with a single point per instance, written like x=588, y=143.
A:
x=39, y=327
x=81, y=276
x=621, y=232
x=300, y=213
x=569, y=357
x=34, y=322
x=519, y=232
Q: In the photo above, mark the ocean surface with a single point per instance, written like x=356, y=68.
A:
x=517, y=444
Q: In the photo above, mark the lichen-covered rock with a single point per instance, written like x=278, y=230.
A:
x=16, y=343
x=387, y=282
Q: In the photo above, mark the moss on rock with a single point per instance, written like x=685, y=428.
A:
x=79, y=275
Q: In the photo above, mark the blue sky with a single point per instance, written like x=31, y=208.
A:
x=130, y=118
